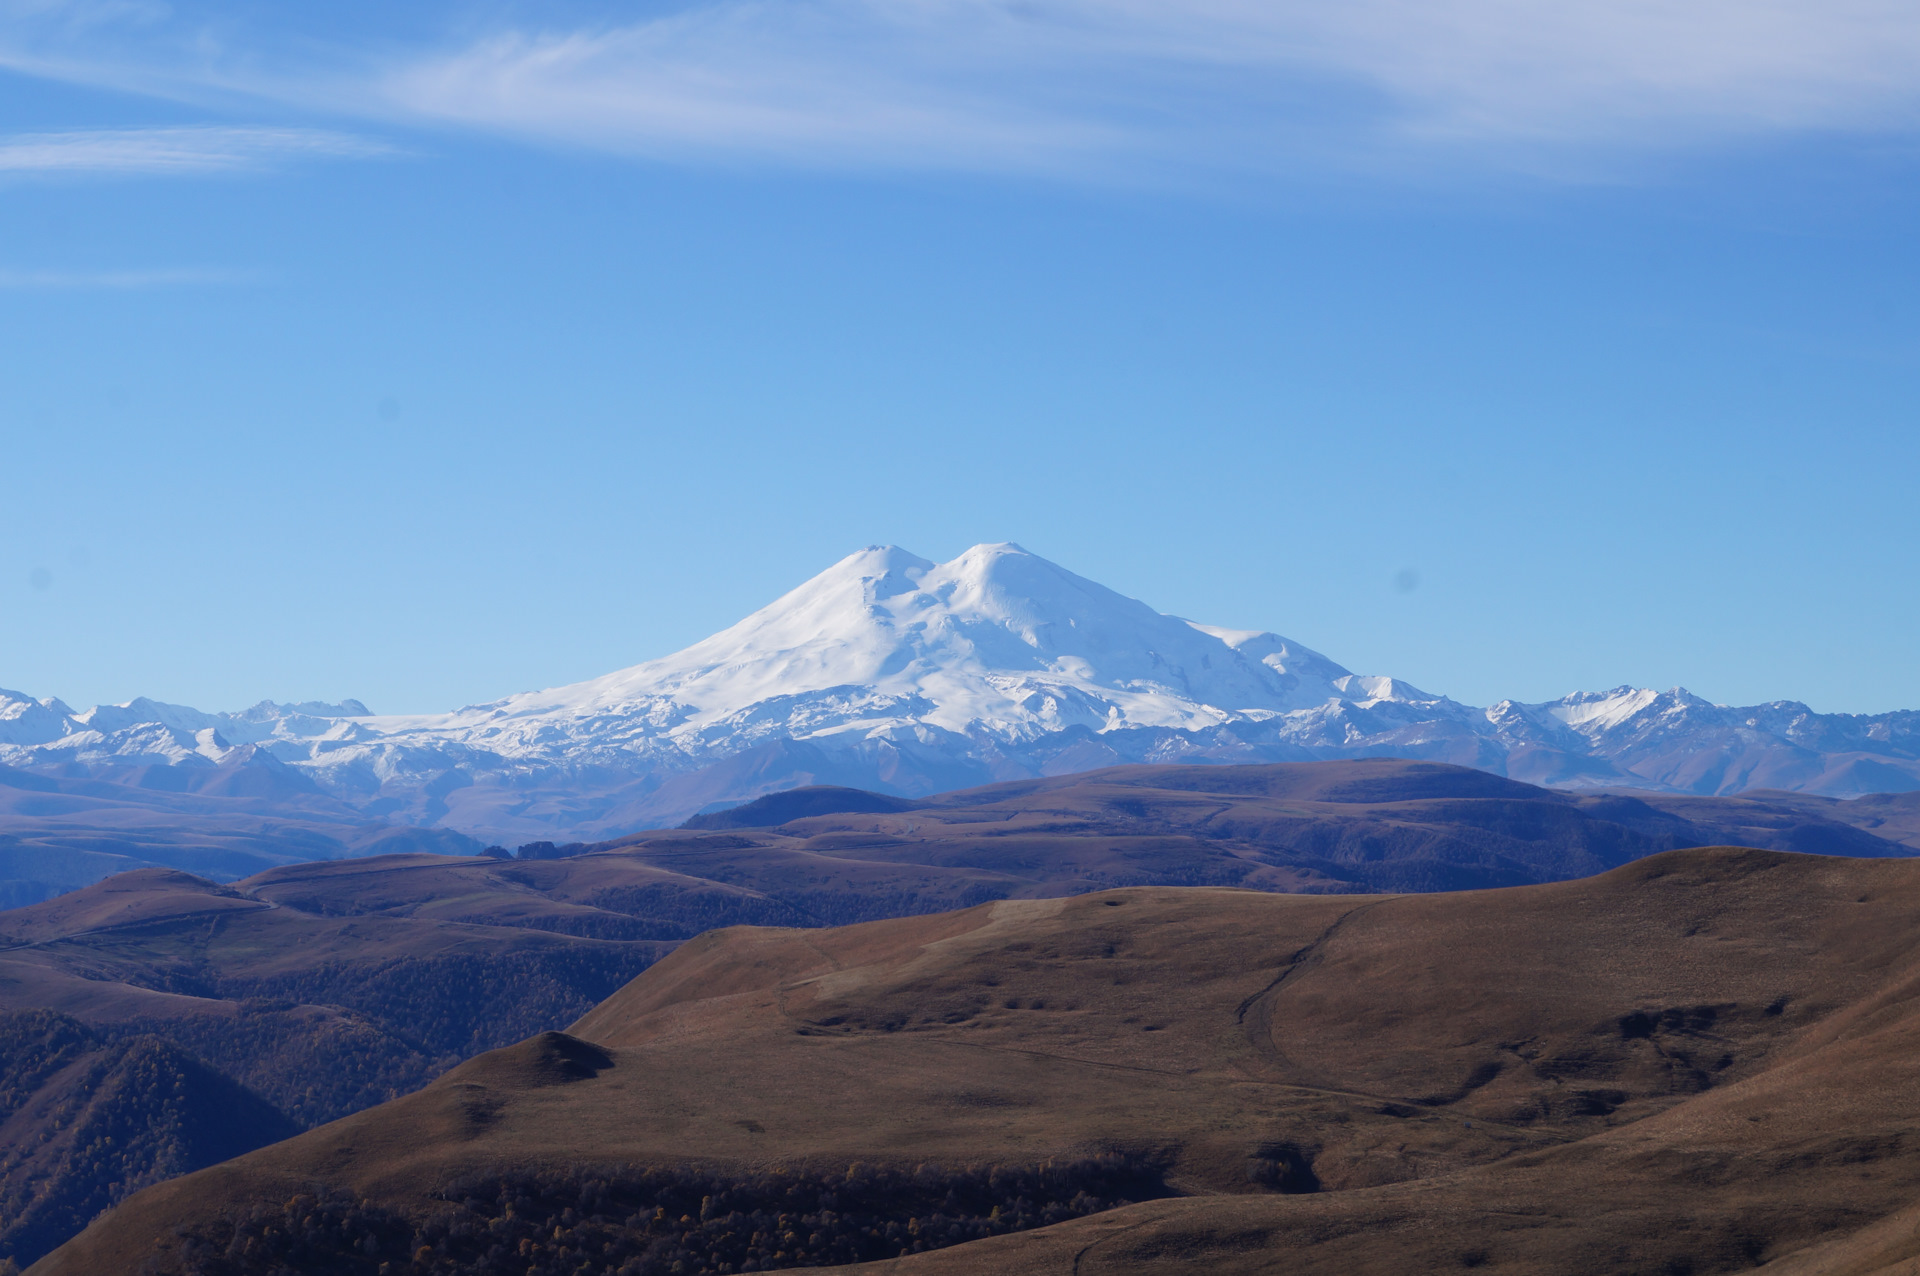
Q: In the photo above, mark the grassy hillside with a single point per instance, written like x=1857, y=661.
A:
x=1705, y=1061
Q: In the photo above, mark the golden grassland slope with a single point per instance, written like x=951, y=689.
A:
x=1704, y=1061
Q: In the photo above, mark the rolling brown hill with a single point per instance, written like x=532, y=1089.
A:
x=839, y=855
x=1368, y=824
x=1704, y=1061
x=333, y=985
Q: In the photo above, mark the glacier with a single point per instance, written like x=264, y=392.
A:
x=892, y=672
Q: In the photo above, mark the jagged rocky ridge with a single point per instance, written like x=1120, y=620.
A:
x=893, y=673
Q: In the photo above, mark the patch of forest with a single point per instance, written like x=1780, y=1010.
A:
x=96, y=1120
x=629, y=1221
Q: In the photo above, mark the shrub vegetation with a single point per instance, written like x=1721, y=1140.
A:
x=661, y=1222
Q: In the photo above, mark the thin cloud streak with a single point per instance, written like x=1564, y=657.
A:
x=172, y=151
x=753, y=78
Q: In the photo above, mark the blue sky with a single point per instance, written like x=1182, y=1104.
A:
x=1505, y=346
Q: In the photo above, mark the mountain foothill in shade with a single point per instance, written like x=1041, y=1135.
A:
x=87, y=1120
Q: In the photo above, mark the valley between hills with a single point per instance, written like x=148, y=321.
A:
x=1358, y=1016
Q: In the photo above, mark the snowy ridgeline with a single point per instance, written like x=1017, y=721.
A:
x=911, y=675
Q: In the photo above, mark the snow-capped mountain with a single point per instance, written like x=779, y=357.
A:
x=892, y=672
x=999, y=647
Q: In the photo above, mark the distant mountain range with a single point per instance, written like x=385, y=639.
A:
x=892, y=673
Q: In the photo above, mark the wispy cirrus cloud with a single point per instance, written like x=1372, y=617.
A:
x=1262, y=82
x=803, y=84
x=1056, y=84
x=175, y=150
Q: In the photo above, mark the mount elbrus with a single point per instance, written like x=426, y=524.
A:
x=892, y=673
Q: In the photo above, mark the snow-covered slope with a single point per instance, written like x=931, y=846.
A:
x=890, y=671
x=998, y=645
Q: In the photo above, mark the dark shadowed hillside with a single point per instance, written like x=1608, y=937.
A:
x=322, y=1015
x=795, y=804
x=86, y=1121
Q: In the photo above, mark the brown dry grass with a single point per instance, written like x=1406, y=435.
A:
x=1704, y=1061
